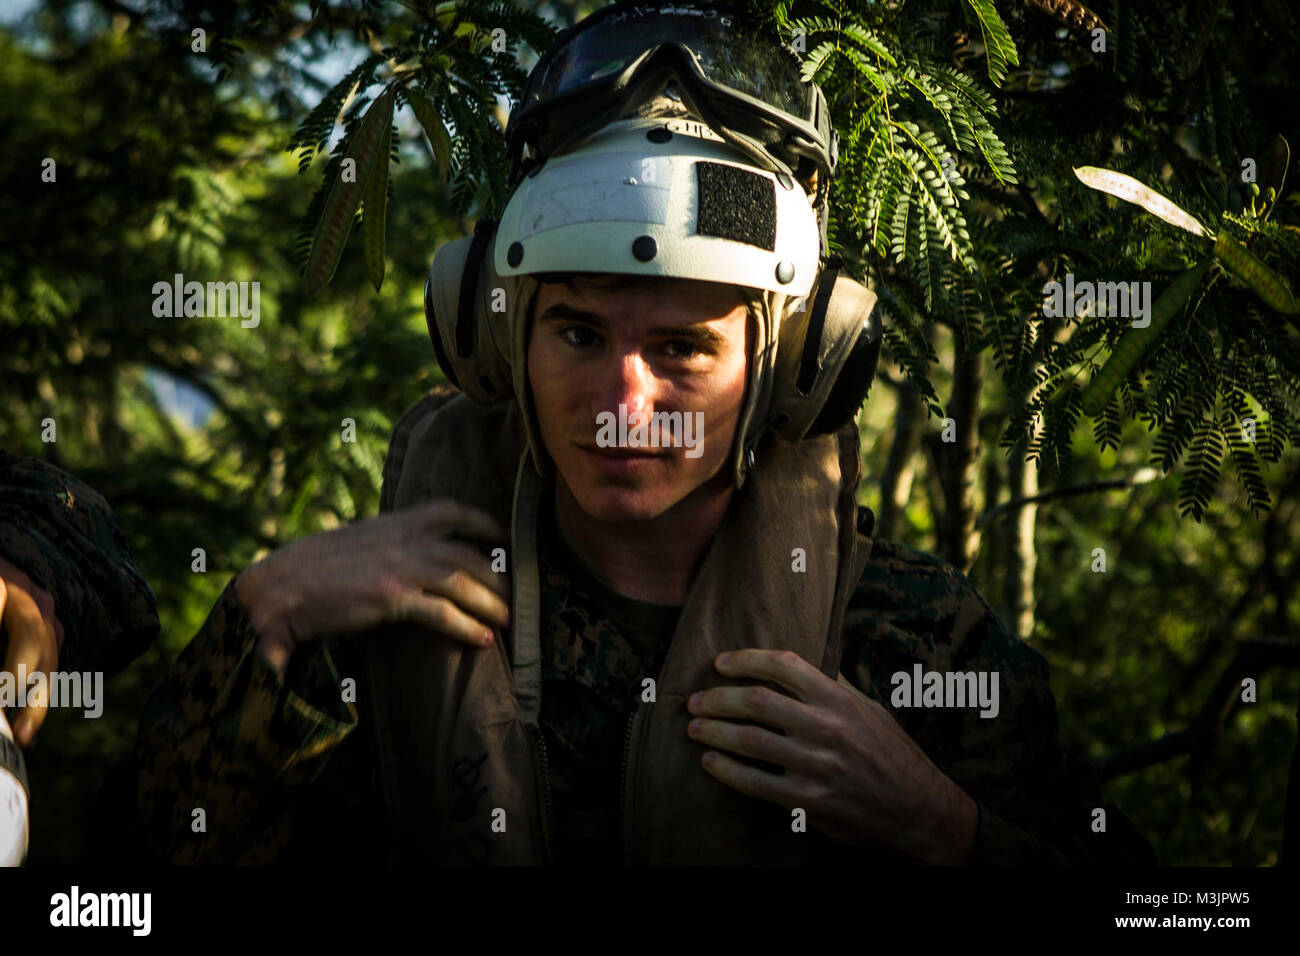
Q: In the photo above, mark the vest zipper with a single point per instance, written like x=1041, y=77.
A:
x=544, y=795
x=624, y=815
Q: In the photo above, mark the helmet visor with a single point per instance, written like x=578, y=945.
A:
x=727, y=54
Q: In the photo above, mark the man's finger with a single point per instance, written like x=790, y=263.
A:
x=751, y=781
x=442, y=615
x=468, y=593
x=780, y=667
x=750, y=741
x=464, y=520
x=458, y=553
x=760, y=704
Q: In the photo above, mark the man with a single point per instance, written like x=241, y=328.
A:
x=622, y=606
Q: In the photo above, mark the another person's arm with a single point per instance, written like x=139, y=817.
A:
x=71, y=596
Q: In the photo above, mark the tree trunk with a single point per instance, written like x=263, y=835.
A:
x=958, y=540
x=900, y=467
x=1020, y=559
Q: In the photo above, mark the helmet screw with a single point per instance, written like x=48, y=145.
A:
x=785, y=272
x=660, y=134
x=645, y=248
x=785, y=180
x=515, y=254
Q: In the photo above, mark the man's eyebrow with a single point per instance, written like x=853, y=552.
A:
x=562, y=311
x=701, y=335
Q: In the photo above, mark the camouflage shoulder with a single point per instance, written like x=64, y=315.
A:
x=900, y=581
x=906, y=590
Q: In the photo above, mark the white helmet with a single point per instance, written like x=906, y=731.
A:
x=654, y=198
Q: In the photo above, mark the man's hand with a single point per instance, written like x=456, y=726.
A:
x=35, y=640
x=413, y=566
x=861, y=779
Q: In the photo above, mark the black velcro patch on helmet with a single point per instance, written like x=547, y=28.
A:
x=736, y=204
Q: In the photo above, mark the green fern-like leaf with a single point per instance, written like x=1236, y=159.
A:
x=1203, y=466
x=998, y=45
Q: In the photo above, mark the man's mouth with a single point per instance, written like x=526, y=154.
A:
x=622, y=464
x=622, y=453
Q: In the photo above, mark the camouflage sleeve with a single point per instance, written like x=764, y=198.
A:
x=62, y=534
x=1035, y=809
x=222, y=734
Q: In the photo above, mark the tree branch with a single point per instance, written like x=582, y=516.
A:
x=1252, y=658
x=1141, y=477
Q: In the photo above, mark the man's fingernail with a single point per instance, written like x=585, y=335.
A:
x=723, y=658
x=487, y=637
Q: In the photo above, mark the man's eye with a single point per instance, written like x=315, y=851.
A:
x=579, y=336
x=682, y=349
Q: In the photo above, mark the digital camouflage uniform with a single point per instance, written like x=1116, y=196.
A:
x=282, y=774
x=62, y=534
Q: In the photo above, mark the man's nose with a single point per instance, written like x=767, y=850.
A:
x=628, y=380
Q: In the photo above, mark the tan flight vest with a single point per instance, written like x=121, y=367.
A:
x=462, y=768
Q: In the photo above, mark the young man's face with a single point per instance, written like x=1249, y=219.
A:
x=653, y=346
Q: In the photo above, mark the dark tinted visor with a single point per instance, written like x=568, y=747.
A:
x=728, y=54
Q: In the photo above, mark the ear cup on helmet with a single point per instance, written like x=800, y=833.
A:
x=826, y=357
x=465, y=303
x=431, y=320
x=854, y=379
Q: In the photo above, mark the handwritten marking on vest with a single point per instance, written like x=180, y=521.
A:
x=464, y=780
x=465, y=774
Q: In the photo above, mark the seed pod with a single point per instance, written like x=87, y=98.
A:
x=1265, y=283
x=428, y=116
x=1273, y=167
x=1070, y=12
x=341, y=203
x=1129, y=189
x=376, y=207
x=1135, y=343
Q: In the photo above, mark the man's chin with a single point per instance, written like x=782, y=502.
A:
x=620, y=505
